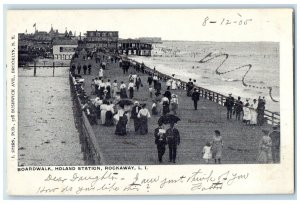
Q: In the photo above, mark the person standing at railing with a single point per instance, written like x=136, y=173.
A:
x=229, y=103
x=238, y=108
x=253, y=112
x=195, y=98
x=247, y=114
x=260, y=111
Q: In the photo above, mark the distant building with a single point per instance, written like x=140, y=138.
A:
x=134, y=47
x=63, y=49
x=151, y=40
x=103, y=40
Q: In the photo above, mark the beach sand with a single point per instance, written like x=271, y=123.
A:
x=47, y=133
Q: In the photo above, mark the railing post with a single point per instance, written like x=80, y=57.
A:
x=34, y=69
x=53, y=68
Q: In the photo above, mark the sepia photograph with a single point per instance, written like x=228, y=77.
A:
x=146, y=92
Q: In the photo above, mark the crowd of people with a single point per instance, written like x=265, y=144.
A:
x=251, y=112
x=113, y=106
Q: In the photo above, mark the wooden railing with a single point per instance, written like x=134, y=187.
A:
x=273, y=118
x=89, y=145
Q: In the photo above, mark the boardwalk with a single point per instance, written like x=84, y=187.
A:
x=196, y=128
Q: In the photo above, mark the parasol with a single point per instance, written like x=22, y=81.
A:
x=169, y=118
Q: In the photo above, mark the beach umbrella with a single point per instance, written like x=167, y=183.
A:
x=125, y=102
x=169, y=118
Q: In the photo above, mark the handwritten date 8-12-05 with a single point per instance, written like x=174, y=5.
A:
x=227, y=21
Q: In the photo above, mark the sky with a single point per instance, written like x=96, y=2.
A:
x=170, y=24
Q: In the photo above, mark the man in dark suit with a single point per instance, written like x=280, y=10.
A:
x=195, y=97
x=160, y=141
x=189, y=88
x=173, y=139
x=229, y=103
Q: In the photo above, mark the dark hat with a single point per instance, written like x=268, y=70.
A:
x=217, y=132
x=265, y=131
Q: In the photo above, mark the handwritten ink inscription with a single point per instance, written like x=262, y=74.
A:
x=238, y=20
x=197, y=181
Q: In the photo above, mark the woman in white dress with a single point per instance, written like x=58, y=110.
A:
x=253, y=112
x=114, y=88
x=143, y=115
x=247, y=114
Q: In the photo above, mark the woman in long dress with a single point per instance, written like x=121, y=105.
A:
x=114, y=88
x=166, y=105
x=109, y=121
x=122, y=122
x=217, y=147
x=143, y=115
x=101, y=89
x=174, y=103
x=253, y=112
x=247, y=113
x=265, y=148
x=123, y=93
x=131, y=89
x=174, y=84
x=104, y=108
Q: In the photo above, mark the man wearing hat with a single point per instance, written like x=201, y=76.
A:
x=160, y=141
x=195, y=97
x=229, y=103
x=134, y=112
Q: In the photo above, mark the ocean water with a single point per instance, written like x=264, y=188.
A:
x=245, y=69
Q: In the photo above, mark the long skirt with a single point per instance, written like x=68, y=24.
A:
x=121, y=127
x=174, y=107
x=123, y=93
x=103, y=114
x=143, y=125
x=131, y=93
x=109, y=121
x=253, y=114
x=217, y=151
x=101, y=92
x=114, y=92
x=108, y=95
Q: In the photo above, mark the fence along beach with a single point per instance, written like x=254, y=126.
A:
x=102, y=146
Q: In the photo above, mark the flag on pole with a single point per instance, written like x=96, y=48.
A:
x=34, y=25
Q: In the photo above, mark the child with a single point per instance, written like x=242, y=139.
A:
x=206, y=152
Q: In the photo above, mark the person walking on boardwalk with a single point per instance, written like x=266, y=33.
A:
x=189, y=88
x=160, y=141
x=174, y=103
x=84, y=69
x=247, y=114
x=275, y=148
x=134, y=115
x=150, y=80
x=265, y=149
x=229, y=103
x=108, y=88
x=114, y=89
x=173, y=139
x=169, y=83
x=143, y=115
x=217, y=147
x=101, y=73
x=131, y=89
x=123, y=93
x=89, y=69
x=101, y=89
x=195, y=98
x=206, y=152
x=122, y=122
x=238, y=108
x=78, y=68
x=138, y=83
x=165, y=104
